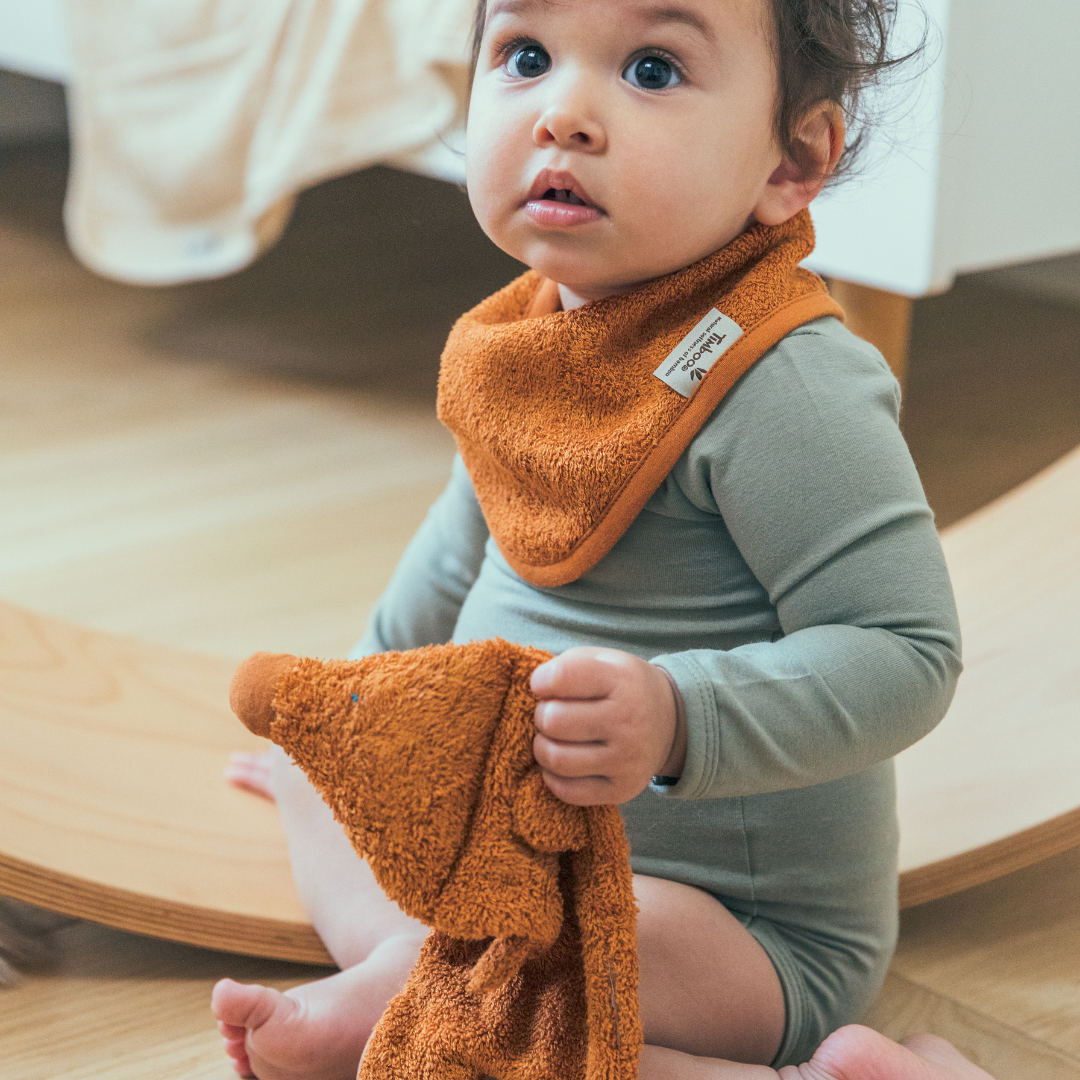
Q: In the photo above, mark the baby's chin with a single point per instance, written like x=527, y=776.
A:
x=590, y=275
x=594, y=260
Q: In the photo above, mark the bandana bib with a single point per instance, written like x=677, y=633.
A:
x=568, y=421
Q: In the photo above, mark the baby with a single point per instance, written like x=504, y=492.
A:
x=738, y=665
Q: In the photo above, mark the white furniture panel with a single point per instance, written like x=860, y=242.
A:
x=32, y=38
x=979, y=163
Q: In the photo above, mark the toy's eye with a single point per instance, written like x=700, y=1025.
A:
x=529, y=62
x=651, y=73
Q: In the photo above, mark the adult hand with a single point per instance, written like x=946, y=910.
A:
x=607, y=722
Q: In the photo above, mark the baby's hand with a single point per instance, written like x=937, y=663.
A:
x=607, y=723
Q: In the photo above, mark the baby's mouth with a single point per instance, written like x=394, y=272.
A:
x=563, y=195
x=557, y=201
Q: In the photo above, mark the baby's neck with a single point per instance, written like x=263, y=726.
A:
x=571, y=299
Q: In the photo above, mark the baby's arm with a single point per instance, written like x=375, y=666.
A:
x=421, y=603
x=806, y=464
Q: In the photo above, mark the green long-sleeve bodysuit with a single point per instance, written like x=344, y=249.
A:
x=788, y=576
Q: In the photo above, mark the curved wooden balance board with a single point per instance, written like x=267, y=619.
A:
x=112, y=805
x=996, y=787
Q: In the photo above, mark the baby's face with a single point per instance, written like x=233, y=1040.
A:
x=613, y=141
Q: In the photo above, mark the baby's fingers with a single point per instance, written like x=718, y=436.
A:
x=572, y=760
x=575, y=721
x=583, y=790
x=585, y=673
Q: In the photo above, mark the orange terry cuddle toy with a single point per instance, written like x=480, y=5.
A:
x=425, y=757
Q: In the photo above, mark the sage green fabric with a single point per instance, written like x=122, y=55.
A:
x=788, y=575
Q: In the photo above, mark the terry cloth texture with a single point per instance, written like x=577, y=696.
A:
x=425, y=757
x=564, y=427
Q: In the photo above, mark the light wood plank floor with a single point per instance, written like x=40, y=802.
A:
x=236, y=465
x=996, y=970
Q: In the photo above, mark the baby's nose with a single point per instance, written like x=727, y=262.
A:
x=570, y=127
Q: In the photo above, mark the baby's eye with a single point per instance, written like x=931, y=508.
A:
x=529, y=62
x=651, y=73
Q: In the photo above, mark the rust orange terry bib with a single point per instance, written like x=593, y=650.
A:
x=563, y=418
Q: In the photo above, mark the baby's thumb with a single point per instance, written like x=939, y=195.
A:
x=542, y=679
x=254, y=683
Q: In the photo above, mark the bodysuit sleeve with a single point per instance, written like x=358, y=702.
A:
x=805, y=463
x=421, y=603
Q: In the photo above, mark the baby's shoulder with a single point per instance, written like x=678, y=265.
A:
x=819, y=400
x=823, y=355
x=818, y=375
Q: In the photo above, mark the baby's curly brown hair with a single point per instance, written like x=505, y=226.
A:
x=826, y=50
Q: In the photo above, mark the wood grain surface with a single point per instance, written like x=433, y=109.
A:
x=995, y=970
x=997, y=785
x=116, y=1006
x=112, y=804
x=177, y=515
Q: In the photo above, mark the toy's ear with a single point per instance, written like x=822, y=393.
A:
x=254, y=683
x=544, y=821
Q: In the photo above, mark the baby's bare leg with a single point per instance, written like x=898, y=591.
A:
x=707, y=987
x=710, y=1000
x=318, y=1031
x=708, y=992
x=339, y=892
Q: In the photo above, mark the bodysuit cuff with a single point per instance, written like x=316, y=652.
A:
x=702, y=731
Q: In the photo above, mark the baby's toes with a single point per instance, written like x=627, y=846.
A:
x=235, y=1039
x=859, y=1053
x=238, y=1052
x=240, y=1007
x=251, y=772
x=242, y=1067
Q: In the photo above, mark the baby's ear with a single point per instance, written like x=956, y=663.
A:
x=793, y=184
x=254, y=683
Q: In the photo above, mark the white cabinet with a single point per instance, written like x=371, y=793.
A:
x=978, y=163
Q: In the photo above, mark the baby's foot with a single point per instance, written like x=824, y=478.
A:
x=313, y=1032
x=858, y=1053
x=301, y=1033
x=251, y=772
x=941, y=1053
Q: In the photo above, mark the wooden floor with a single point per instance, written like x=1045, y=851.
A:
x=996, y=970
x=235, y=465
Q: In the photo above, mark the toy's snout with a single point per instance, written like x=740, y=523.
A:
x=251, y=692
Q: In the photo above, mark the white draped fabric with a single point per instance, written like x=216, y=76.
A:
x=195, y=122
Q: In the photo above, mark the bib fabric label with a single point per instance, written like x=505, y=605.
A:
x=688, y=362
